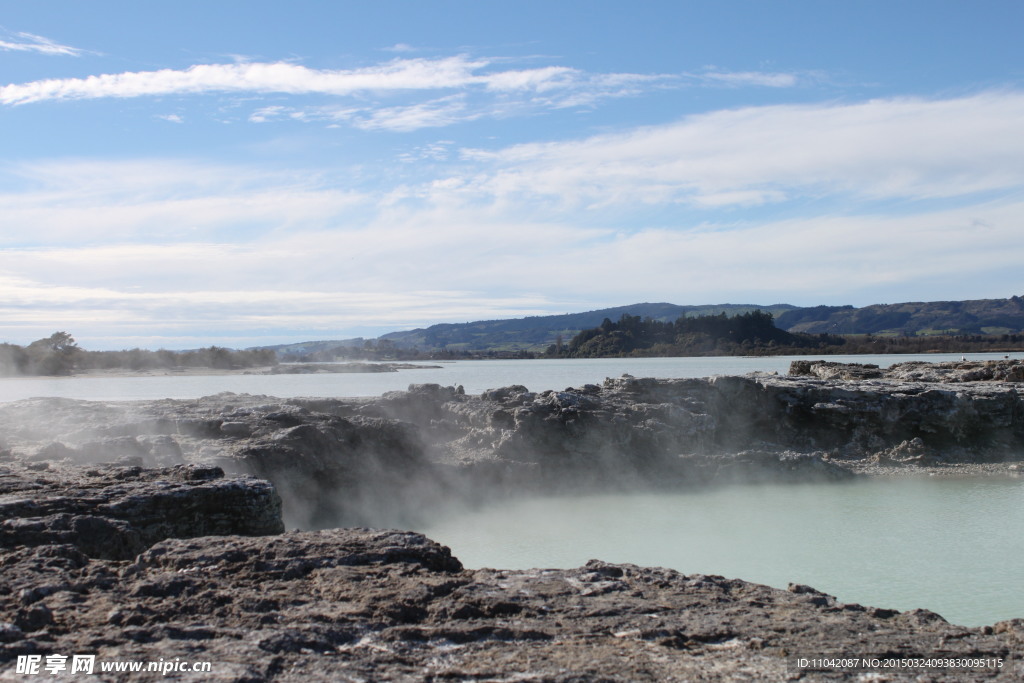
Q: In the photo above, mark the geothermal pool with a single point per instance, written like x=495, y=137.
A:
x=953, y=546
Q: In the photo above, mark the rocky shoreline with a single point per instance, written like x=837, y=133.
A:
x=155, y=529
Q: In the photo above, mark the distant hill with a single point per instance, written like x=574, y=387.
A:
x=710, y=335
x=536, y=333
x=308, y=347
x=981, y=316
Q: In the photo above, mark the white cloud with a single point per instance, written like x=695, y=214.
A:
x=81, y=202
x=282, y=77
x=259, y=77
x=27, y=42
x=881, y=149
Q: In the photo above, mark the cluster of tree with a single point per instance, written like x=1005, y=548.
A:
x=54, y=355
x=59, y=354
x=711, y=335
x=755, y=334
x=535, y=333
x=216, y=357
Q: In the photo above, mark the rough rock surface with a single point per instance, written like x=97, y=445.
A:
x=358, y=604
x=1010, y=370
x=116, y=512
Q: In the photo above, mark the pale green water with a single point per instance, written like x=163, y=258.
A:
x=953, y=546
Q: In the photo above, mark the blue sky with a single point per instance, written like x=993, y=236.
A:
x=247, y=173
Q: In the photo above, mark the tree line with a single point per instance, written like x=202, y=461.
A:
x=748, y=333
x=59, y=354
x=754, y=333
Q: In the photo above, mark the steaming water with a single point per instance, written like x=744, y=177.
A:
x=953, y=546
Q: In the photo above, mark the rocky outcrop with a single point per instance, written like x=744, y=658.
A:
x=358, y=604
x=378, y=461
x=116, y=512
x=1008, y=370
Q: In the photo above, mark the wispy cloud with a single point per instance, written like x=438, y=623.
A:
x=433, y=114
x=283, y=77
x=495, y=91
x=440, y=150
x=28, y=42
x=748, y=78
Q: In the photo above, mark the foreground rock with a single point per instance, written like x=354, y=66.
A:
x=357, y=604
x=115, y=513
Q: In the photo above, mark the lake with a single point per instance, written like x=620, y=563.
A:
x=474, y=376
x=953, y=546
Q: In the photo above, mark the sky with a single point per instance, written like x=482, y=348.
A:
x=246, y=173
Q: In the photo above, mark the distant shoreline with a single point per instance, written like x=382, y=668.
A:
x=283, y=369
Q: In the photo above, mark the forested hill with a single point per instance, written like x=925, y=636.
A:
x=983, y=316
x=980, y=316
x=536, y=333
x=753, y=332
